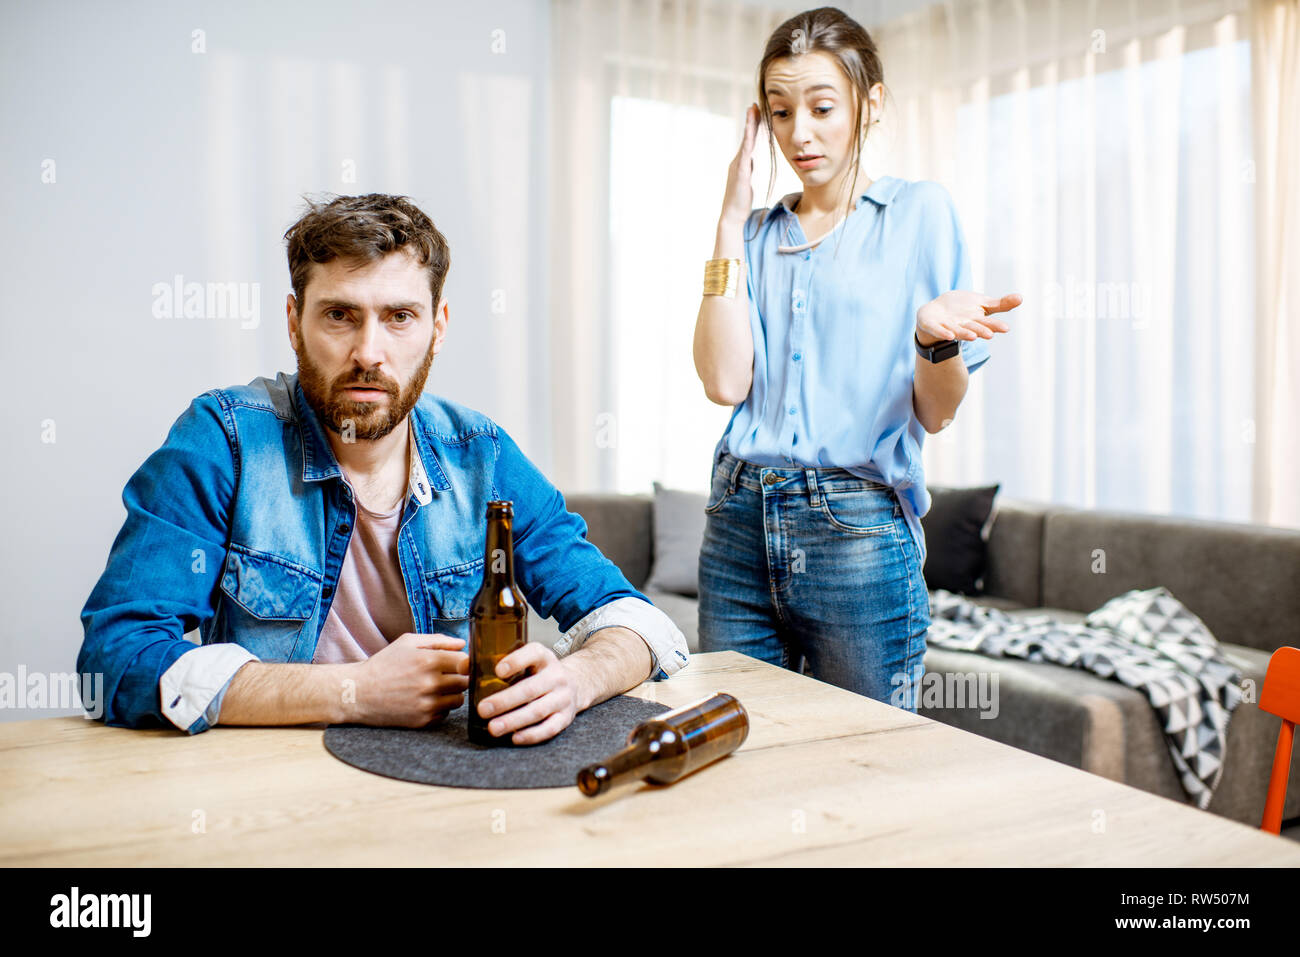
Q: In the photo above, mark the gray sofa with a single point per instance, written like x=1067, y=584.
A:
x=1243, y=581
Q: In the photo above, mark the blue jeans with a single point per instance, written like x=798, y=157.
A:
x=814, y=563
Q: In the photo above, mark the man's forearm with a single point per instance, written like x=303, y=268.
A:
x=611, y=661
x=268, y=693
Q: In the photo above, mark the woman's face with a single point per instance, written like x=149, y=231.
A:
x=812, y=115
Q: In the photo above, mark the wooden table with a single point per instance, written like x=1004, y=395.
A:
x=827, y=777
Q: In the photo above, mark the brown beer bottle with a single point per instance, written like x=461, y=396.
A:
x=672, y=745
x=498, y=622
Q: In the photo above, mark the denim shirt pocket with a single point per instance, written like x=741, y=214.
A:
x=269, y=601
x=449, y=593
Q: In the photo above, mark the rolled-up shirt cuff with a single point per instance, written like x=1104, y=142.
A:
x=191, y=690
x=665, y=640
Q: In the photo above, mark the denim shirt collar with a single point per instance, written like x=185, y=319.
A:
x=319, y=462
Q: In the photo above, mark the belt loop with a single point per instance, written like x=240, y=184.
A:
x=735, y=472
x=814, y=495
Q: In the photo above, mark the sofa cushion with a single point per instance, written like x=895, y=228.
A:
x=1237, y=578
x=678, y=533
x=1013, y=569
x=955, y=530
x=620, y=526
x=683, y=611
x=1073, y=716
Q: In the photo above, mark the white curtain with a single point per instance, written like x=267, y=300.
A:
x=1102, y=159
x=1103, y=164
x=1275, y=46
x=648, y=99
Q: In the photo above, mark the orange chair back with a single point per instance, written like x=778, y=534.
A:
x=1280, y=696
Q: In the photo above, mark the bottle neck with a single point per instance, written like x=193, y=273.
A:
x=499, y=552
x=630, y=764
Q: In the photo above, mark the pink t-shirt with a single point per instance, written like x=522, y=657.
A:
x=370, y=606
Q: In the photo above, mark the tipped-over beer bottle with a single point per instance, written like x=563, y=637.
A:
x=670, y=746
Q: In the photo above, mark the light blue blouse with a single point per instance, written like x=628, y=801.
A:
x=834, y=359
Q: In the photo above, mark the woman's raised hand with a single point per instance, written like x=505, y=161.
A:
x=739, y=199
x=962, y=314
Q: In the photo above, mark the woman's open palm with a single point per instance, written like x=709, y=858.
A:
x=962, y=314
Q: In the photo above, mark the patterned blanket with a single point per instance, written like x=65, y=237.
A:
x=1147, y=639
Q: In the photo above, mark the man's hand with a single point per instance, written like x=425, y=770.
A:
x=415, y=680
x=538, y=706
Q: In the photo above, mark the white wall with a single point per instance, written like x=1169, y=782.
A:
x=168, y=161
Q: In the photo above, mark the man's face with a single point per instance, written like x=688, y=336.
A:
x=365, y=339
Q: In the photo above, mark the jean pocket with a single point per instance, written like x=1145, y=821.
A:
x=720, y=490
x=865, y=512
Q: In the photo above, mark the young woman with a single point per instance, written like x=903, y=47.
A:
x=841, y=326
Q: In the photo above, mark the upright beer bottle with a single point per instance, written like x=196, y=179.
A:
x=670, y=746
x=498, y=621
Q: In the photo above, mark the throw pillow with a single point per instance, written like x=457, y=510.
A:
x=678, y=533
x=956, y=538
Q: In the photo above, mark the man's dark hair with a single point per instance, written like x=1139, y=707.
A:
x=364, y=229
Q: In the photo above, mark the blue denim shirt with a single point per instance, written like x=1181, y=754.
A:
x=239, y=524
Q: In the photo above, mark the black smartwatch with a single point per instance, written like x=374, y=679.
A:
x=945, y=349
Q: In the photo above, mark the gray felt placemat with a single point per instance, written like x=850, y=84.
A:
x=442, y=754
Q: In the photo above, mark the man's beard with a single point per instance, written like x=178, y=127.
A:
x=368, y=420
